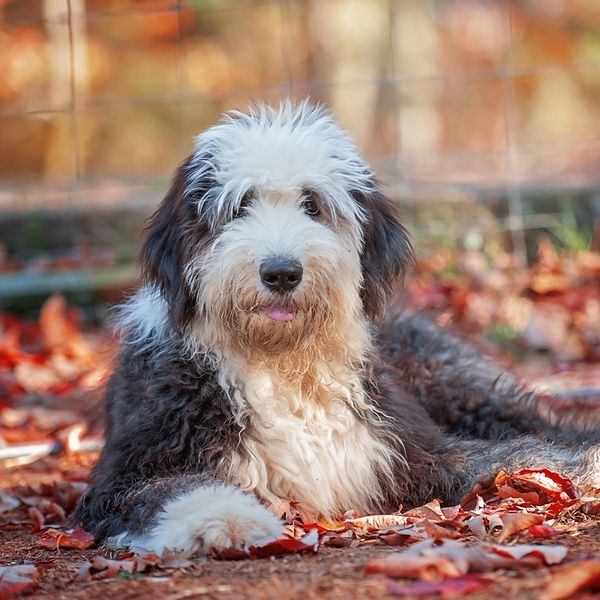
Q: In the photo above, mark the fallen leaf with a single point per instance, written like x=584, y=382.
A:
x=450, y=587
x=550, y=555
x=323, y=525
x=417, y=531
x=37, y=518
x=555, y=486
x=513, y=523
x=430, y=568
x=174, y=560
x=53, y=539
x=309, y=543
x=507, y=491
x=15, y=580
x=572, y=578
x=8, y=503
x=61, y=328
x=477, y=525
x=376, y=522
x=104, y=568
x=434, y=561
x=431, y=510
x=341, y=540
x=542, y=531
x=394, y=536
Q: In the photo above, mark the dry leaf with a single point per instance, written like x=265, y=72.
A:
x=555, y=486
x=450, y=587
x=309, y=543
x=542, y=531
x=104, y=568
x=515, y=522
x=53, y=539
x=15, y=580
x=434, y=561
x=375, y=522
x=8, y=503
x=572, y=578
x=549, y=555
x=431, y=510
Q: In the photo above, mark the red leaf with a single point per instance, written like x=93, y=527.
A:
x=514, y=522
x=322, y=525
x=37, y=517
x=436, y=560
x=104, y=568
x=17, y=579
x=76, y=476
x=309, y=543
x=174, y=560
x=542, y=531
x=228, y=554
x=549, y=555
x=552, y=484
x=452, y=586
x=506, y=491
x=52, y=539
x=572, y=578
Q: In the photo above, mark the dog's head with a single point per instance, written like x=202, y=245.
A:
x=273, y=231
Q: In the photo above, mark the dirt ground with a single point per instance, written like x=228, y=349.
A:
x=329, y=573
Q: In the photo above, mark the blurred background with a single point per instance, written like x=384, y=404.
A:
x=481, y=116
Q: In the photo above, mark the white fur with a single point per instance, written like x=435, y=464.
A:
x=217, y=516
x=294, y=146
x=317, y=454
x=144, y=318
x=227, y=282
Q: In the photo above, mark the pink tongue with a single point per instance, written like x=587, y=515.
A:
x=278, y=313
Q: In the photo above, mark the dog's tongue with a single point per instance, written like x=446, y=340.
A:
x=279, y=313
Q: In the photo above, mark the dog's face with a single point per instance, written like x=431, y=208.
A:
x=273, y=232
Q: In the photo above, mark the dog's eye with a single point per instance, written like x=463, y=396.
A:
x=245, y=202
x=310, y=204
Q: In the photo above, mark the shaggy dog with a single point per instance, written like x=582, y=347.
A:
x=252, y=370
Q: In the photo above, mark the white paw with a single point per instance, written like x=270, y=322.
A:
x=216, y=516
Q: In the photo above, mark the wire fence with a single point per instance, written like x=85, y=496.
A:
x=482, y=116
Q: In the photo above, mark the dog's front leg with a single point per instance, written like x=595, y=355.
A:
x=210, y=516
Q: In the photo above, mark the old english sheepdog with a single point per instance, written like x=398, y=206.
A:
x=257, y=367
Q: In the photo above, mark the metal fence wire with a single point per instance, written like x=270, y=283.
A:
x=482, y=116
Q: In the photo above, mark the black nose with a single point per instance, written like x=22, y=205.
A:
x=280, y=274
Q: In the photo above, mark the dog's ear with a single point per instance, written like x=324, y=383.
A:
x=167, y=247
x=387, y=253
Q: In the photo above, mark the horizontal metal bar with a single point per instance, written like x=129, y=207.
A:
x=26, y=283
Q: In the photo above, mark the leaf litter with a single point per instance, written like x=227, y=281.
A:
x=49, y=370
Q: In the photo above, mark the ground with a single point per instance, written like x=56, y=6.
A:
x=542, y=323
x=328, y=573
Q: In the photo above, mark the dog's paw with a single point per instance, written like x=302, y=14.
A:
x=210, y=517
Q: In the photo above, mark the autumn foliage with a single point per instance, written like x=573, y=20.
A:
x=52, y=371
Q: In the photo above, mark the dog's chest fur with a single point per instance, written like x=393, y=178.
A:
x=309, y=447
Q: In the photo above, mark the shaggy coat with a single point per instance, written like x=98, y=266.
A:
x=255, y=367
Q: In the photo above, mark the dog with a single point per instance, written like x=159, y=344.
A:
x=257, y=365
